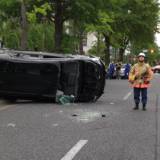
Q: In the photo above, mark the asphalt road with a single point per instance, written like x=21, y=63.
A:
x=106, y=130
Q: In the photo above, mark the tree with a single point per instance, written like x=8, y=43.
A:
x=15, y=11
x=80, y=11
x=24, y=26
x=119, y=22
x=104, y=26
x=8, y=17
x=137, y=23
x=123, y=22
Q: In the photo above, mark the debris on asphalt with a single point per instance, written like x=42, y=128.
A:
x=103, y=115
x=65, y=99
x=74, y=115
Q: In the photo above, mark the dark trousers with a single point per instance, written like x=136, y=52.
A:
x=140, y=94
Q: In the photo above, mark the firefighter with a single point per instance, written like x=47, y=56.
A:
x=140, y=77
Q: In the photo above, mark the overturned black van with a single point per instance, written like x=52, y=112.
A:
x=39, y=75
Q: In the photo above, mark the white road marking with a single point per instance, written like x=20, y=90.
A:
x=111, y=103
x=6, y=107
x=127, y=96
x=73, y=151
x=55, y=125
x=11, y=125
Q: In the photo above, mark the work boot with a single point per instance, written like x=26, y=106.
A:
x=144, y=107
x=136, y=106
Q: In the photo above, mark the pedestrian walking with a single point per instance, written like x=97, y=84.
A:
x=111, y=70
x=118, y=69
x=140, y=77
x=127, y=70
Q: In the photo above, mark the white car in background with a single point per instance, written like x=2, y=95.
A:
x=156, y=69
x=122, y=72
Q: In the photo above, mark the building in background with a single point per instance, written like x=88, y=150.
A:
x=89, y=41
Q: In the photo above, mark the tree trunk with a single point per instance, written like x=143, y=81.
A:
x=107, y=50
x=98, y=44
x=81, y=47
x=58, y=25
x=123, y=47
x=81, y=43
x=121, y=54
x=24, y=27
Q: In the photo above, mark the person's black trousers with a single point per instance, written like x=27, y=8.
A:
x=140, y=94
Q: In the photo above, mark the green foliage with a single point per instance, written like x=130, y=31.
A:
x=31, y=17
x=153, y=58
x=69, y=44
x=40, y=37
x=134, y=20
x=84, y=10
x=12, y=39
x=103, y=25
x=39, y=9
x=9, y=32
x=97, y=50
x=10, y=8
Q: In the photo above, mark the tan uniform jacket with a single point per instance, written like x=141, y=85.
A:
x=140, y=75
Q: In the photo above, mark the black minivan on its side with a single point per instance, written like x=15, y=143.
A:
x=37, y=75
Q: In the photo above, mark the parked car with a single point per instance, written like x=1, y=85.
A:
x=156, y=69
x=122, y=71
x=36, y=75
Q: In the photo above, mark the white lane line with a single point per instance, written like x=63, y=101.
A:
x=127, y=96
x=55, y=125
x=11, y=125
x=6, y=107
x=73, y=151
